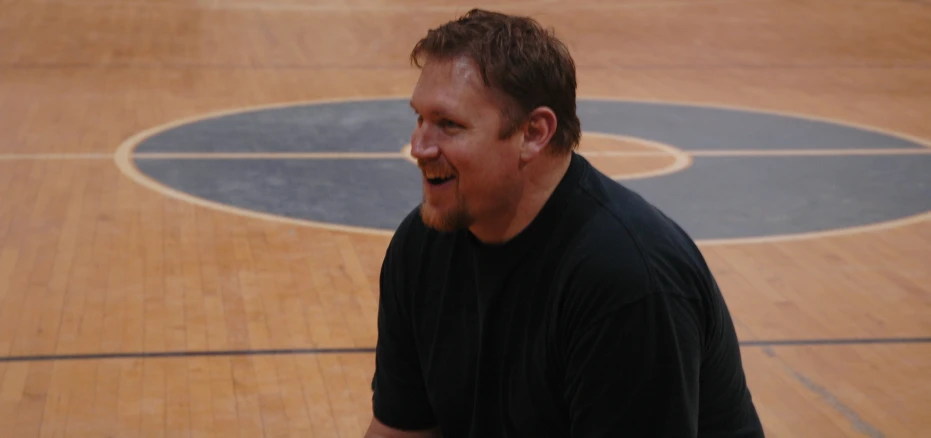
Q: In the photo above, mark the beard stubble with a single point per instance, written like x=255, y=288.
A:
x=456, y=218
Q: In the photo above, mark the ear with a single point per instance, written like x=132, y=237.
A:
x=538, y=131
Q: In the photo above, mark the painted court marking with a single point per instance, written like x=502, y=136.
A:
x=134, y=155
x=765, y=344
x=389, y=155
x=336, y=164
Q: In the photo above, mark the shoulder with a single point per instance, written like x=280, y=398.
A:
x=634, y=233
x=625, y=251
x=603, y=270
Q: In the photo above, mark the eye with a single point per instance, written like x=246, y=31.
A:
x=449, y=124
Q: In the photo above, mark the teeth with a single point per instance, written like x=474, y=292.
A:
x=436, y=176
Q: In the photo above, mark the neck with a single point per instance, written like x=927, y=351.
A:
x=518, y=215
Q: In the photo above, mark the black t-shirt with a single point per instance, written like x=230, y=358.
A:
x=600, y=319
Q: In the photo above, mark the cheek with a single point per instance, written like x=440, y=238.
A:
x=487, y=176
x=485, y=166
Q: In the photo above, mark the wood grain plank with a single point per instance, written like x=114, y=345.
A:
x=92, y=262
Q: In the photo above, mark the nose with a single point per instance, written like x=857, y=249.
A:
x=423, y=147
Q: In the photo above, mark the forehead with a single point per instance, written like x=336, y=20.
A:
x=450, y=85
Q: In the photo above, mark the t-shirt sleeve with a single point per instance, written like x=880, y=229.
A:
x=634, y=370
x=399, y=397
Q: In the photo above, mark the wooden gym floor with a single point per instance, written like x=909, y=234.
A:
x=125, y=312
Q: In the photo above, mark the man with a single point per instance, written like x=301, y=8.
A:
x=529, y=295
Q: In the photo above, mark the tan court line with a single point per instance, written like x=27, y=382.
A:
x=806, y=152
x=390, y=155
x=395, y=155
x=56, y=156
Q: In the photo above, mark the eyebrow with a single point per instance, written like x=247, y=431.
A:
x=435, y=112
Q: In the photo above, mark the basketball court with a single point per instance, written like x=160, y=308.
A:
x=196, y=195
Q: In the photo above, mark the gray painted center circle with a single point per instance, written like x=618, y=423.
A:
x=717, y=197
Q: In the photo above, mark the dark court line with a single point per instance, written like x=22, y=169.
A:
x=852, y=341
x=158, y=354
x=361, y=350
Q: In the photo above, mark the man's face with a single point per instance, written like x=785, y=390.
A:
x=469, y=173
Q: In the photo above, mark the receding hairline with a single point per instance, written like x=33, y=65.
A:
x=491, y=41
x=508, y=106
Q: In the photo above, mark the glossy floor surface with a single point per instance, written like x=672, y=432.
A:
x=128, y=309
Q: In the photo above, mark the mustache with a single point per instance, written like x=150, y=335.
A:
x=434, y=166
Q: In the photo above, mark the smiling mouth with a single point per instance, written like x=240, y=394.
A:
x=440, y=180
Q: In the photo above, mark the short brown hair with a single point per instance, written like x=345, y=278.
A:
x=518, y=58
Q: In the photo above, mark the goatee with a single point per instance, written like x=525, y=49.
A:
x=451, y=221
